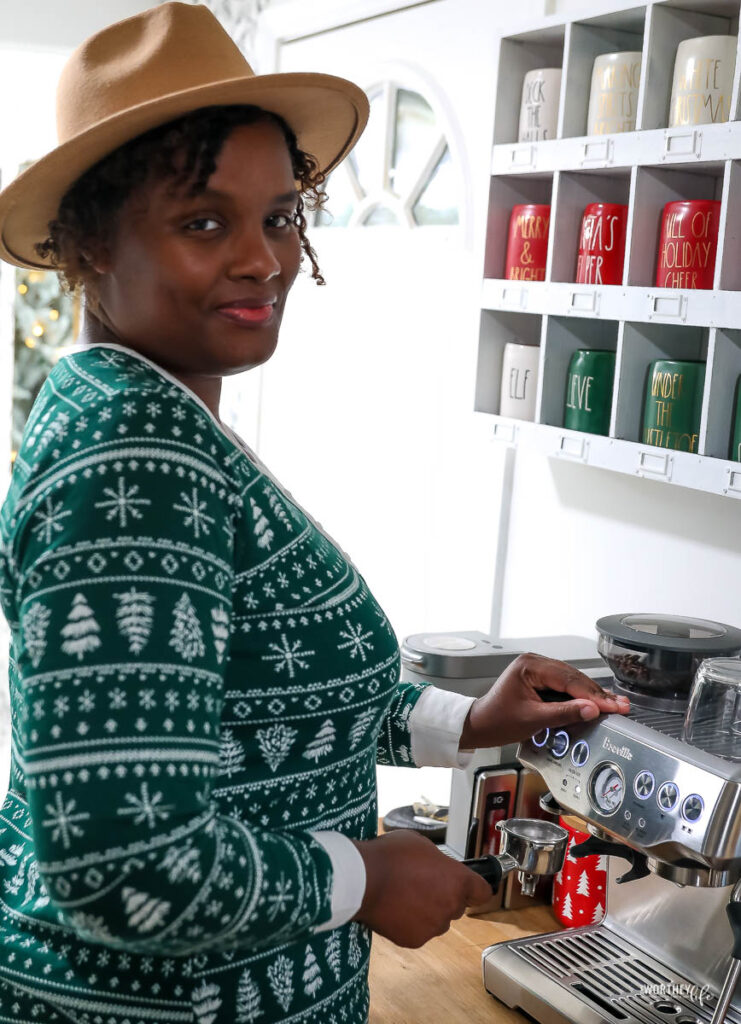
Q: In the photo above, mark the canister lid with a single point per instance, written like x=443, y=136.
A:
x=455, y=655
x=645, y=631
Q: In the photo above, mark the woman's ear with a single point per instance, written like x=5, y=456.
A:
x=96, y=256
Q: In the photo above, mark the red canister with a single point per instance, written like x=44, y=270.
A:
x=602, y=244
x=688, y=243
x=580, y=887
x=527, y=245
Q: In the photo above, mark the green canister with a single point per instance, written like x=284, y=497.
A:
x=589, y=391
x=735, y=450
x=673, y=405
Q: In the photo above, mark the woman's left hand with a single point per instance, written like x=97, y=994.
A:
x=513, y=709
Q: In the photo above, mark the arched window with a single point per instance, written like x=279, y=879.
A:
x=400, y=172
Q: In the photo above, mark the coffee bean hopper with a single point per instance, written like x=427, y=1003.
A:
x=667, y=949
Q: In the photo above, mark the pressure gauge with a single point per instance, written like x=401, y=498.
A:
x=607, y=788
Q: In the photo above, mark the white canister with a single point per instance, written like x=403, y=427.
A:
x=613, y=99
x=703, y=80
x=539, y=108
x=519, y=381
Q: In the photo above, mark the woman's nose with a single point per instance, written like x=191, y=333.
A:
x=253, y=256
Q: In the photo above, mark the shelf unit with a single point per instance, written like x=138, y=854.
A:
x=645, y=169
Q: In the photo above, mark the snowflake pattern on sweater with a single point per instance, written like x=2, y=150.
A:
x=199, y=678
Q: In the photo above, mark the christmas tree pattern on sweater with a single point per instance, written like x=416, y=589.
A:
x=199, y=677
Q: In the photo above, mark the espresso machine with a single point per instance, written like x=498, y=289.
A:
x=667, y=813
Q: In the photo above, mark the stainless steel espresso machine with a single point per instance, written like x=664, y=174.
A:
x=668, y=814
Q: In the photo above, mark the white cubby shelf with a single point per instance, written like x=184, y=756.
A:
x=643, y=169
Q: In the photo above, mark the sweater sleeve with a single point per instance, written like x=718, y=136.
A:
x=123, y=560
x=395, y=739
x=423, y=728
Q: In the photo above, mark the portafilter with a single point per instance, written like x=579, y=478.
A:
x=530, y=846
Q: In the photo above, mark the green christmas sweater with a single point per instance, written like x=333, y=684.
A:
x=199, y=678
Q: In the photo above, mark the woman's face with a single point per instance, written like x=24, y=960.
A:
x=199, y=283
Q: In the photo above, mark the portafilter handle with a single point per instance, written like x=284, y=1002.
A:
x=492, y=867
x=734, y=969
x=593, y=845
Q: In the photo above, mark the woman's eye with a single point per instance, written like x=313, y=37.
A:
x=202, y=224
x=281, y=220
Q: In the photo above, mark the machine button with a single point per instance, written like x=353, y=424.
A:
x=580, y=753
x=560, y=743
x=641, y=823
x=667, y=796
x=693, y=807
x=644, y=784
x=540, y=738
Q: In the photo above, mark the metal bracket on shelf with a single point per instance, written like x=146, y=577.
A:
x=514, y=296
x=522, y=156
x=599, y=151
x=682, y=143
x=584, y=302
x=655, y=464
x=573, y=447
x=504, y=431
x=734, y=482
x=667, y=307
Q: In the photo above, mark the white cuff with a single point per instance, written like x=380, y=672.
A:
x=348, y=884
x=436, y=724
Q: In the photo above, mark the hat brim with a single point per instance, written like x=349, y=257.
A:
x=327, y=113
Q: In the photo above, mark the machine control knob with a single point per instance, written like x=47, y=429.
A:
x=540, y=738
x=693, y=807
x=560, y=743
x=580, y=753
x=667, y=796
x=644, y=784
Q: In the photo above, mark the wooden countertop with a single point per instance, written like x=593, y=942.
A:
x=441, y=983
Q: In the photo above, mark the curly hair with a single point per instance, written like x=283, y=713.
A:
x=185, y=149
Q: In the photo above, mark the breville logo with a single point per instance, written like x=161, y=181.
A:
x=624, y=752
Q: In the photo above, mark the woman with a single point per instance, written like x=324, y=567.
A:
x=201, y=683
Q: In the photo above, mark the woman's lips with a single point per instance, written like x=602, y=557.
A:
x=247, y=315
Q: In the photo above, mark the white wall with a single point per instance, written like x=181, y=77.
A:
x=59, y=24
x=586, y=543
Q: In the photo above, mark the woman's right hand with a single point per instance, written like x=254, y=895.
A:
x=413, y=891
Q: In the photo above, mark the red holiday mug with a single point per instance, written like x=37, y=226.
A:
x=602, y=244
x=527, y=245
x=688, y=243
x=580, y=887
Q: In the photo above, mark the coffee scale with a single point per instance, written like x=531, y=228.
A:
x=668, y=815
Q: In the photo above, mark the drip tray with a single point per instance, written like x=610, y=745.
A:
x=590, y=976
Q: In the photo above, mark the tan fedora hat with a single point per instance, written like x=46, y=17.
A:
x=145, y=71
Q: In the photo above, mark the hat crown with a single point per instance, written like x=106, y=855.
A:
x=167, y=49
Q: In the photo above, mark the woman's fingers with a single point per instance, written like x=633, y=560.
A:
x=548, y=674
